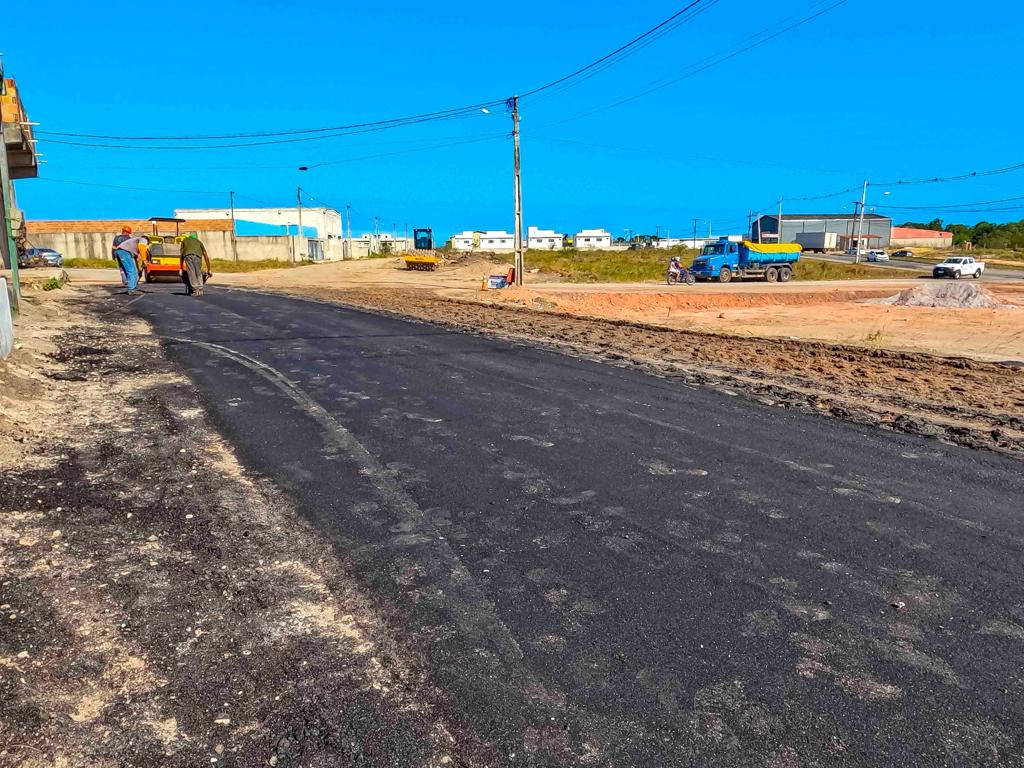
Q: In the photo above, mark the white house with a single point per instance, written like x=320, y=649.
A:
x=544, y=239
x=592, y=238
x=487, y=240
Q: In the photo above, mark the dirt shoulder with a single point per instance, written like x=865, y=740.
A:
x=967, y=402
x=159, y=605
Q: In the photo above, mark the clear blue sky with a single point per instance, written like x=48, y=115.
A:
x=936, y=84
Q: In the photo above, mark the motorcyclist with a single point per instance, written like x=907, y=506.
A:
x=675, y=268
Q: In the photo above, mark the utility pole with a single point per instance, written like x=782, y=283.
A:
x=299, y=248
x=376, y=234
x=627, y=232
x=695, y=232
x=234, y=241
x=750, y=216
x=517, y=239
x=709, y=229
x=860, y=221
x=779, y=228
x=348, y=226
x=657, y=232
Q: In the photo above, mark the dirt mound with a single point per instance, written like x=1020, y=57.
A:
x=952, y=295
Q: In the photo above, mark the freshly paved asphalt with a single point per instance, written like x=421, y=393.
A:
x=606, y=568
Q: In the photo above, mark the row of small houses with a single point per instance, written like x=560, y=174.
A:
x=538, y=239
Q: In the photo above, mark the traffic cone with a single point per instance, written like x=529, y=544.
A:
x=483, y=283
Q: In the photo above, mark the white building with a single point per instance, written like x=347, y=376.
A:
x=592, y=238
x=544, y=239
x=483, y=240
x=326, y=242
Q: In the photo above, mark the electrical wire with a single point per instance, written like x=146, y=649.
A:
x=649, y=37
x=268, y=142
x=393, y=122
x=137, y=189
x=714, y=61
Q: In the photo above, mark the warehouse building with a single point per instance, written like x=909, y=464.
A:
x=877, y=232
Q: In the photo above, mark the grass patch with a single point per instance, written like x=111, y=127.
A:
x=90, y=263
x=812, y=269
x=652, y=263
x=604, y=266
x=219, y=265
x=54, y=283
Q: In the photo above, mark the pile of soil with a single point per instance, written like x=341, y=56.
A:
x=951, y=295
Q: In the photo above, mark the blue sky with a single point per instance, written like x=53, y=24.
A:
x=937, y=86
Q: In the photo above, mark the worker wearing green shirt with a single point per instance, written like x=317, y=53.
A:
x=193, y=260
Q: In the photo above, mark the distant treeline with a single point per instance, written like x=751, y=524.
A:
x=983, y=234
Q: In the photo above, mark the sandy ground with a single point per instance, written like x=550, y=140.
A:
x=158, y=605
x=832, y=311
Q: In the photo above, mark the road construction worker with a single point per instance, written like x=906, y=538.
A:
x=125, y=261
x=195, y=265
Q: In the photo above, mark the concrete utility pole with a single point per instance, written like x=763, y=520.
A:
x=778, y=239
x=695, y=232
x=517, y=239
x=234, y=241
x=657, y=231
x=299, y=246
x=709, y=229
x=348, y=226
x=860, y=221
x=750, y=216
x=376, y=234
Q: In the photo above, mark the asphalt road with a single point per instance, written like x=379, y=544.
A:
x=606, y=568
x=992, y=274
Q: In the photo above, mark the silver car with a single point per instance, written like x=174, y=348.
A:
x=41, y=257
x=878, y=256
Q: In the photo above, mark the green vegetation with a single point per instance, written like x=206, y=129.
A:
x=604, y=266
x=54, y=283
x=219, y=265
x=90, y=264
x=652, y=263
x=984, y=234
x=813, y=269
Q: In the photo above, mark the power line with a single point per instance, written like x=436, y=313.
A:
x=392, y=122
x=137, y=189
x=656, y=32
x=268, y=142
x=950, y=206
x=715, y=61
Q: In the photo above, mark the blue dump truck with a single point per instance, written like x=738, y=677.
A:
x=728, y=260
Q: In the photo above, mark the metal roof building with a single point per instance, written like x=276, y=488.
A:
x=877, y=229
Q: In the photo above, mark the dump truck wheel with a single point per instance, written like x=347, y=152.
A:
x=771, y=275
x=724, y=275
x=785, y=274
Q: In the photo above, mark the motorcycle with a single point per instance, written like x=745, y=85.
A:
x=678, y=278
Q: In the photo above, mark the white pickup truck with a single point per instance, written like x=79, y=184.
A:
x=958, y=266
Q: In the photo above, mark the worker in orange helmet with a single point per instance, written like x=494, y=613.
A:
x=125, y=261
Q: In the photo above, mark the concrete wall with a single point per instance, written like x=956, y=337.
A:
x=923, y=242
x=96, y=245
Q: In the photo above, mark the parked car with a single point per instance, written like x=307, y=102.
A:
x=40, y=257
x=902, y=253
x=878, y=256
x=958, y=266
